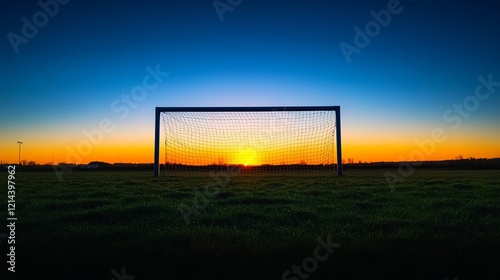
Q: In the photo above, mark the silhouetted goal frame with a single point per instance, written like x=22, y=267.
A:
x=160, y=110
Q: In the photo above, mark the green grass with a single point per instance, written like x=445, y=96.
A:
x=435, y=225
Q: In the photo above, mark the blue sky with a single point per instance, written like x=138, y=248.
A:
x=397, y=88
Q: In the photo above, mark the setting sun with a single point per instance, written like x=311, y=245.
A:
x=247, y=157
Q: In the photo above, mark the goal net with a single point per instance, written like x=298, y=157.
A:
x=256, y=139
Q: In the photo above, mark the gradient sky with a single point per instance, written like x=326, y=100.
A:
x=71, y=75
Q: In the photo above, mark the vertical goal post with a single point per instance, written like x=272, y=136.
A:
x=160, y=110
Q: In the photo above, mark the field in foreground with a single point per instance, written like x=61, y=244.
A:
x=92, y=225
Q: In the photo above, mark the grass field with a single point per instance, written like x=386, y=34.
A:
x=435, y=225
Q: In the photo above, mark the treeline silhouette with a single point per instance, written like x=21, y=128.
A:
x=454, y=164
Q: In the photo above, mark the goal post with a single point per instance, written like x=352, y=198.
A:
x=208, y=136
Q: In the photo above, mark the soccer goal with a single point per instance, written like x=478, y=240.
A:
x=254, y=139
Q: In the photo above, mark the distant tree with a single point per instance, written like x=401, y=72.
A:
x=24, y=162
x=31, y=162
x=66, y=163
x=99, y=162
x=459, y=157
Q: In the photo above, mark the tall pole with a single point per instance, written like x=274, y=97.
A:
x=20, y=143
x=157, y=142
x=339, y=142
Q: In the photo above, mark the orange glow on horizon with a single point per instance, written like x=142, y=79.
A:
x=247, y=149
x=144, y=154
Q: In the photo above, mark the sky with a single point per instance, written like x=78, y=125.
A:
x=416, y=80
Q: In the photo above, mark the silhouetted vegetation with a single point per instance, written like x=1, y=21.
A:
x=455, y=164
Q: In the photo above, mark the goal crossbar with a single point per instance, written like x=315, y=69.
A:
x=159, y=110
